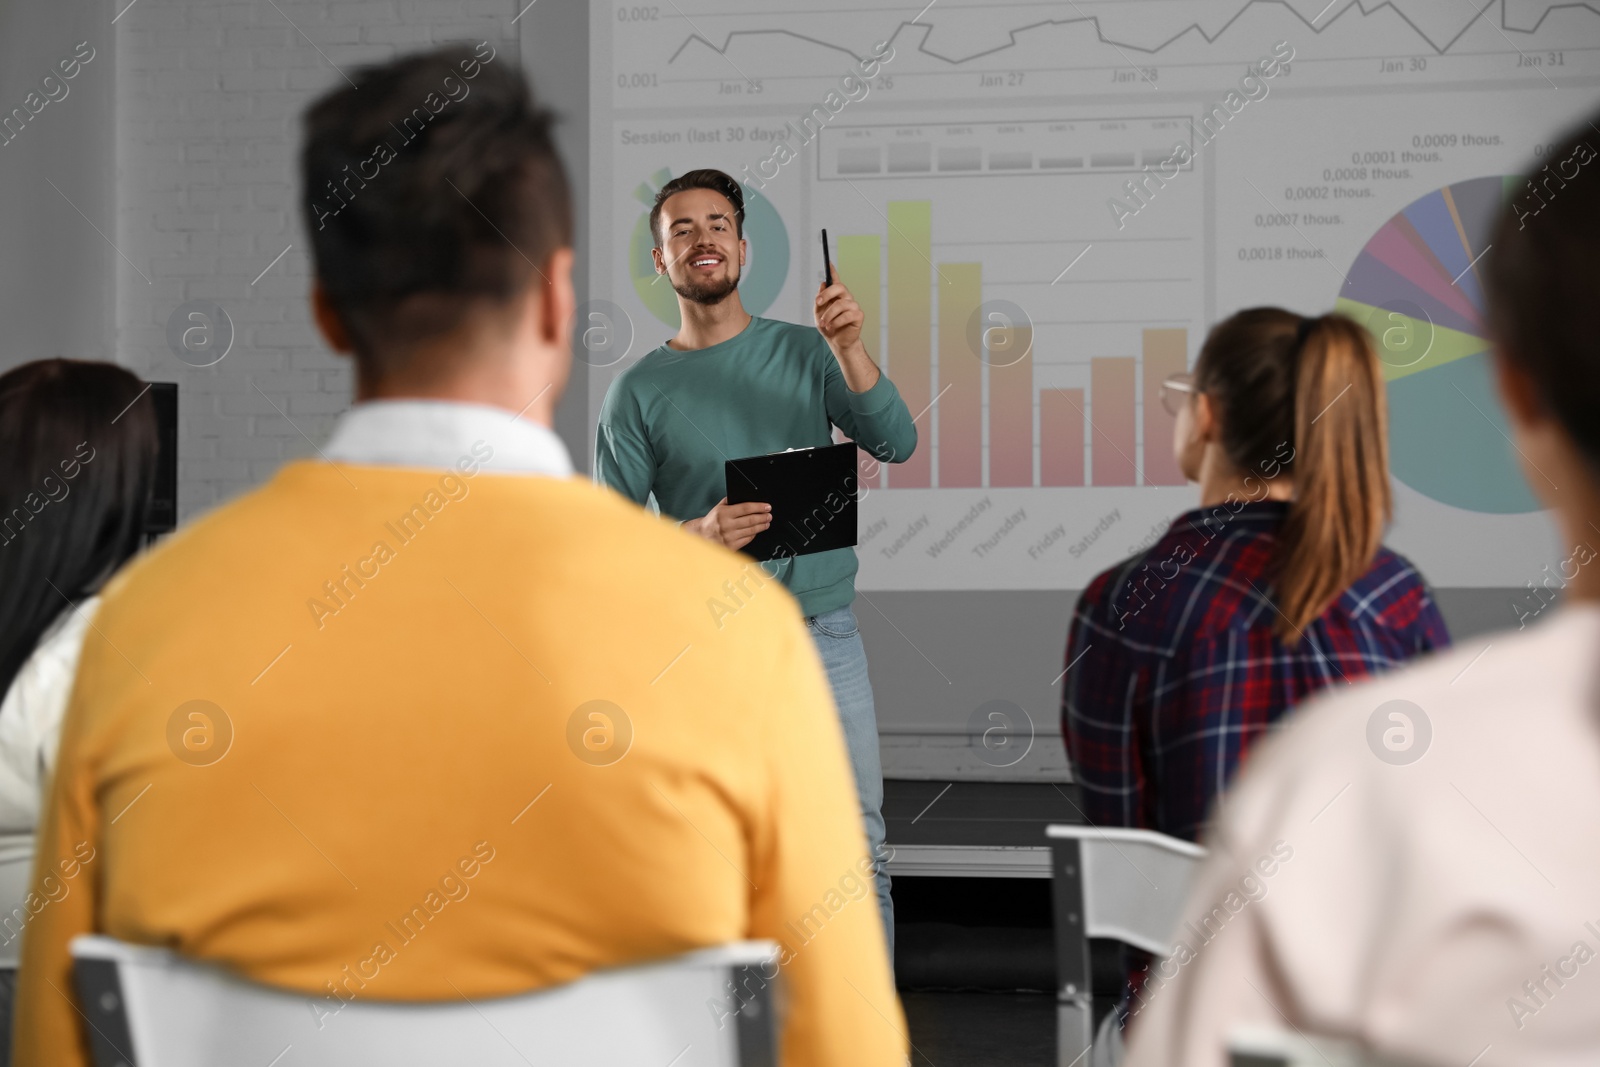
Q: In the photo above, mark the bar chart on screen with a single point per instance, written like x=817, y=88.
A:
x=1027, y=332
x=996, y=425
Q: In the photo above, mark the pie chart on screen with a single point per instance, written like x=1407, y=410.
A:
x=1418, y=286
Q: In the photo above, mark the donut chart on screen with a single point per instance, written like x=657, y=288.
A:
x=1418, y=286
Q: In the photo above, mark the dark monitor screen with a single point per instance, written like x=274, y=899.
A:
x=163, y=514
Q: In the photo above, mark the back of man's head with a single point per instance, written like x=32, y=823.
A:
x=433, y=192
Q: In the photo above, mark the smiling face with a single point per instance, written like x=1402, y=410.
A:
x=701, y=252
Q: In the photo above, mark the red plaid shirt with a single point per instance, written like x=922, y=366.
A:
x=1174, y=671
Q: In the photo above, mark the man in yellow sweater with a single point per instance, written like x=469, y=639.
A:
x=429, y=718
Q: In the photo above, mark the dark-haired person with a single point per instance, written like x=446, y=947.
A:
x=461, y=766
x=79, y=441
x=728, y=385
x=1439, y=906
x=1275, y=587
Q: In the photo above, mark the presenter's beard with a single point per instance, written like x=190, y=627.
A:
x=712, y=292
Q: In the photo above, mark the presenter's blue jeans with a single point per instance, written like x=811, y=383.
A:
x=845, y=658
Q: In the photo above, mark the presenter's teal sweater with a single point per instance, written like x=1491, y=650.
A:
x=671, y=420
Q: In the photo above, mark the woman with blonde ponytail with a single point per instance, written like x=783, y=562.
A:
x=1276, y=586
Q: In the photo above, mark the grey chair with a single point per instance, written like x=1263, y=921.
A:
x=147, y=1007
x=1129, y=885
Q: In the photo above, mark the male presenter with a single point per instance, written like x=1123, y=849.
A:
x=730, y=385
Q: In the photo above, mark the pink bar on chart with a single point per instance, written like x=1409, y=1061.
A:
x=1061, y=437
x=1010, y=358
x=960, y=378
x=910, y=319
x=1166, y=352
x=1111, y=444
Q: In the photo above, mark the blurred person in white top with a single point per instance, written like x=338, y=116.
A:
x=77, y=463
x=1412, y=863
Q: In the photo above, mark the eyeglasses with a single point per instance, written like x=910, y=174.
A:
x=1175, y=392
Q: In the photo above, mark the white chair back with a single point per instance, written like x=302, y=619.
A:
x=148, y=1007
x=1258, y=1046
x=1110, y=882
x=1135, y=882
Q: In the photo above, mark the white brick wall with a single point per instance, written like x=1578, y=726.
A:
x=209, y=94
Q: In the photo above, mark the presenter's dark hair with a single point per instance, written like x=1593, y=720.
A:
x=716, y=181
x=431, y=187
x=1314, y=410
x=79, y=441
x=1541, y=285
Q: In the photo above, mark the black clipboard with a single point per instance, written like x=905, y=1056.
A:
x=813, y=496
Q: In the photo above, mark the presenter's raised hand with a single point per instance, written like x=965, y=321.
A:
x=839, y=320
x=733, y=525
